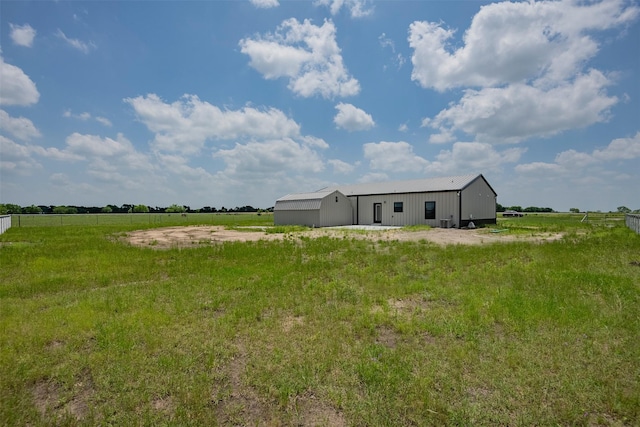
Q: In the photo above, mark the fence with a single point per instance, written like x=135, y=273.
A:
x=633, y=222
x=5, y=223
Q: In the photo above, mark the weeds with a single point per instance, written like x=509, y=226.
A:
x=320, y=331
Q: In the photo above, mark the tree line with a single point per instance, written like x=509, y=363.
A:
x=9, y=208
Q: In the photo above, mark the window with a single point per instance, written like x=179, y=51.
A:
x=429, y=210
x=397, y=206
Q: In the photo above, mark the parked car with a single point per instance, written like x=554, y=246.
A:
x=509, y=212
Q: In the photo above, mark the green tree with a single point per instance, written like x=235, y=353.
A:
x=33, y=209
x=141, y=209
x=574, y=210
x=107, y=209
x=624, y=209
x=175, y=209
x=65, y=210
x=9, y=208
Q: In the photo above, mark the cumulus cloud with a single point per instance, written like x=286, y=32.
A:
x=520, y=111
x=526, y=62
x=341, y=167
x=514, y=42
x=272, y=157
x=84, y=47
x=184, y=125
x=22, y=35
x=16, y=158
x=20, y=127
x=306, y=54
x=393, y=157
x=357, y=8
x=572, y=162
x=265, y=4
x=473, y=157
x=352, y=118
x=17, y=87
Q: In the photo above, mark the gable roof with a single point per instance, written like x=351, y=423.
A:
x=302, y=201
x=447, y=183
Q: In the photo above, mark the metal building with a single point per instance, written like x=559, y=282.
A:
x=324, y=208
x=438, y=202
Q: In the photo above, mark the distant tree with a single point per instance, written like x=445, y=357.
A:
x=107, y=209
x=33, y=209
x=574, y=210
x=141, y=209
x=499, y=207
x=65, y=210
x=9, y=208
x=624, y=209
x=175, y=209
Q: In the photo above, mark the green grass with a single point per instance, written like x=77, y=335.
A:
x=320, y=331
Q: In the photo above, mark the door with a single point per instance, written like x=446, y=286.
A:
x=377, y=213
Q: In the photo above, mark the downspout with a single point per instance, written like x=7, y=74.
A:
x=460, y=209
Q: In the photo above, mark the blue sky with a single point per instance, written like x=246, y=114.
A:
x=234, y=103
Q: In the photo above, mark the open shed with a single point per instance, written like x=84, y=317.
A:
x=317, y=209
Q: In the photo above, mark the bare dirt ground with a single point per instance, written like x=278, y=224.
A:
x=194, y=236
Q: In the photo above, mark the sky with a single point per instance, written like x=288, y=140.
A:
x=236, y=103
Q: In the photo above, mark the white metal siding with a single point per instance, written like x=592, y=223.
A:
x=413, y=209
x=335, y=210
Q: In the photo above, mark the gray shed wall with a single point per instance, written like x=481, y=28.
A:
x=478, y=203
x=335, y=209
x=309, y=218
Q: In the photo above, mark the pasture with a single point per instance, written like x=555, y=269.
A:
x=330, y=330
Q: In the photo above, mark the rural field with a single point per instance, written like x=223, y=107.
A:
x=535, y=322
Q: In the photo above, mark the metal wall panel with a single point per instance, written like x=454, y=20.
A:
x=478, y=201
x=413, y=209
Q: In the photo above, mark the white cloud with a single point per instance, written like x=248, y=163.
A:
x=104, y=121
x=341, y=167
x=357, y=8
x=16, y=158
x=22, y=35
x=17, y=87
x=519, y=111
x=86, y=116
x=306, y=54
x=21, y=127
x=184, y=125
x=473, y=157
x=527, y=61
x=393, y=157
x=514, y=42
x=397, y=58
x=403, y=127
x=265, y=4
x=84, y=47
x=352, y=119
x=255, y=160
x=572, y=162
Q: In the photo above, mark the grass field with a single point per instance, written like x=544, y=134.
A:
x=320, y=331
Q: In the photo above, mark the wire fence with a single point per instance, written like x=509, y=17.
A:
x=633, y=222
x=5, y=223
x=52, y=220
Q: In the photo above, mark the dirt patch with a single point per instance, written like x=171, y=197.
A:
x=50, y=398
x=313, y=411
x=196, y=236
